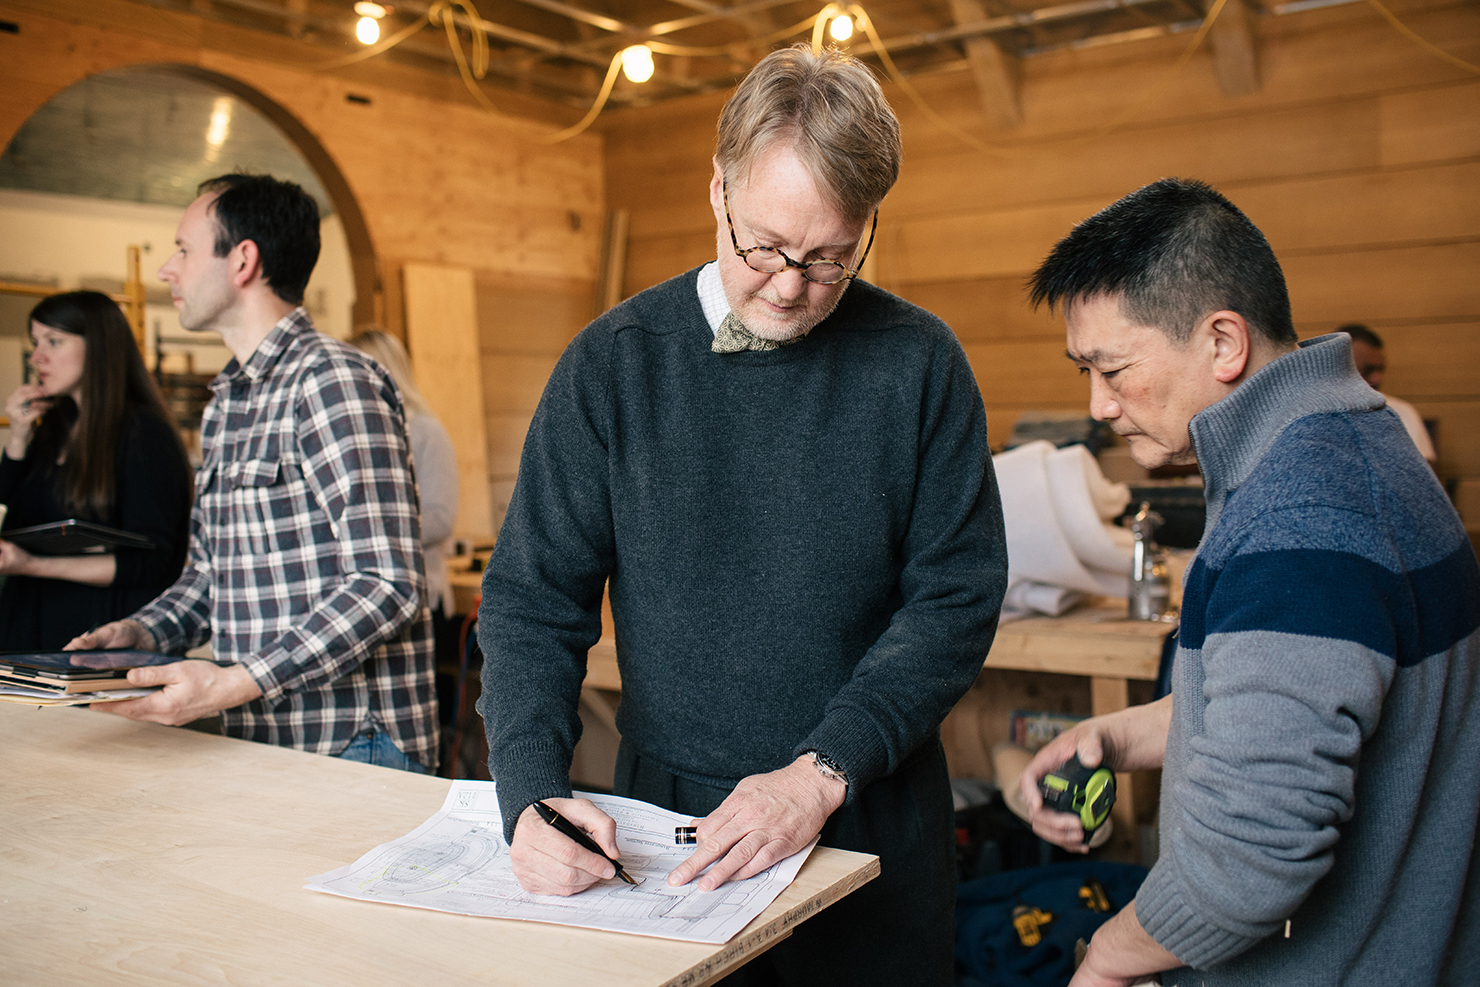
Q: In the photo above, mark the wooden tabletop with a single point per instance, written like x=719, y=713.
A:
x=138, y=854
x=1094, y=640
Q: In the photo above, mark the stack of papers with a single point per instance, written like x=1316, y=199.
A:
x=39, y=697
x=457, y=861
x=70, y=678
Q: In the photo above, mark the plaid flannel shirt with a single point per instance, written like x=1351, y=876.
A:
x=305, y=561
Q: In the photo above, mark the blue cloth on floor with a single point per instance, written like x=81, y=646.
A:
x=987, y=943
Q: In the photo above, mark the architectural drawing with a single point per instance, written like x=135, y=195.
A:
x=457, y=861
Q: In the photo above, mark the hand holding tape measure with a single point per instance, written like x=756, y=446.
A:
x=1085, y=792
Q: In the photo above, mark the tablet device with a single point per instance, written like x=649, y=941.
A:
x=73, y=537
x=78, y=671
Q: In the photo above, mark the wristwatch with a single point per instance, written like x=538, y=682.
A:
x=827, y=767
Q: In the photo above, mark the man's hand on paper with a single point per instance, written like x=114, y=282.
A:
x=547, y=861
x=1129, y=740
x=766, y=818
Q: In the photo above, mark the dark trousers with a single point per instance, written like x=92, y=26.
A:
x=897, y=930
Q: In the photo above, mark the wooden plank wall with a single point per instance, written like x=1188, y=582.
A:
x=439, y=180
x=1359, y=156
x=442, y=330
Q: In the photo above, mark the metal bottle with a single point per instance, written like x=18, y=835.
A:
x=1150, y=592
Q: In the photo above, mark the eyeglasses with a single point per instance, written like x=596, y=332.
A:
x=769, y=260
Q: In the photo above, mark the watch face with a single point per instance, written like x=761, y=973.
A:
x=828, y=768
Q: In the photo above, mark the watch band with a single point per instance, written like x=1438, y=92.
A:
x=827, y=767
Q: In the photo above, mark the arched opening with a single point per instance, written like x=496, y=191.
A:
x=356, y=232
x=112, y=160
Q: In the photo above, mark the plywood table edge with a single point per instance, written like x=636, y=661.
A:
x=1034, y=659
x=763, y=933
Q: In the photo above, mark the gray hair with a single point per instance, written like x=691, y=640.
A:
x=829, y=107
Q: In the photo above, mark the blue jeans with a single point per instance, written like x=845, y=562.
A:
x=377, y=747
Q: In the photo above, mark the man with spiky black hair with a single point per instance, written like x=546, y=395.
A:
x=1321, y=745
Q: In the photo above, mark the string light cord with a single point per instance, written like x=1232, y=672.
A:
x=664, y=48
x=470, y=75
x=479, y=68
x=861, y=17
x=442, y=12
x=816, y=22
x=591, y=114
x=1166, y=80
x=1428, y=46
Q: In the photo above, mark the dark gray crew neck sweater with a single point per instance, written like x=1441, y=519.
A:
x=805, y=545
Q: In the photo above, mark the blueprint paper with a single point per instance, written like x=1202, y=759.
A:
x=457, y=861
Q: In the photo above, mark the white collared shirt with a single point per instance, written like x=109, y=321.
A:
x=712, y=296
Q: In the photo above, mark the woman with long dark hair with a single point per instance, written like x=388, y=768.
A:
x=91, y=439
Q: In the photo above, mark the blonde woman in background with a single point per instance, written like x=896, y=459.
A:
x=435, y=464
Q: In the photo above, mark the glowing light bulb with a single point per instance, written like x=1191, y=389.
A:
x=637, y=63
x=841, y=28
x=368, y=30
x=219, y=128
x=220, y=125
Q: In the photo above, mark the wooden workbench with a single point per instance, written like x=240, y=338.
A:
x=132, y=853
x=1095, y=641
x=1100, y=643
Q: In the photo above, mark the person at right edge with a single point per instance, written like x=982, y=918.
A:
x=1320, y=749
x=1368, y=353
x=784, y=473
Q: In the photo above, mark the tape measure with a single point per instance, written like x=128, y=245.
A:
x=1086, y=792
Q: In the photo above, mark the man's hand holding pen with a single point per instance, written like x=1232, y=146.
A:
x=546, y=861
x=766, y=818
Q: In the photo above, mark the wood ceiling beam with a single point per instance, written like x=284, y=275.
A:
x=998, y=73
x=1235, y=49
x=581, y=15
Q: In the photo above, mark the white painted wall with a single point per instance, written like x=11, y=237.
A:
x=67, y=240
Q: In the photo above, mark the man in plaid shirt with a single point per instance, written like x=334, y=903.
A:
x=305, y=565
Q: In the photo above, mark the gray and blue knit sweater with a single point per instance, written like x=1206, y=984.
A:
x=1323, y=763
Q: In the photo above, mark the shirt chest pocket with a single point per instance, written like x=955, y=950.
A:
x=263, y=505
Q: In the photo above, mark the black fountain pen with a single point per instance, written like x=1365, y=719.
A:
x=570, y=829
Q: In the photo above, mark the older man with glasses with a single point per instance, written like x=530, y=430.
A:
x=783, y=472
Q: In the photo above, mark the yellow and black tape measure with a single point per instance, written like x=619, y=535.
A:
x=1086, y=792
